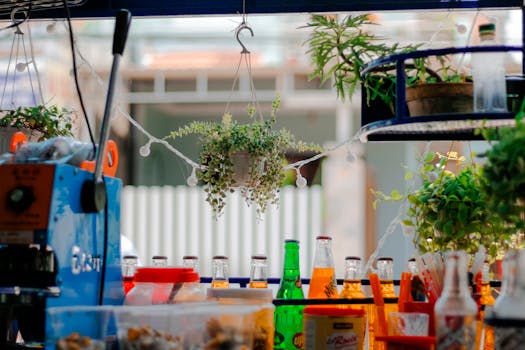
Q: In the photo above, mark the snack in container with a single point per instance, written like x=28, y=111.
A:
x=79, y=327
x=205, y=325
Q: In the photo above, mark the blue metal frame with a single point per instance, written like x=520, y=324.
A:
x=403, y=127
x=108, y=8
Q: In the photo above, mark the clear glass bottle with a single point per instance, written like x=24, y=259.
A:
x=191, y=261
x=322, y=282
x=488, y=72
x=353, y=289
x=258, y=272
x=220, y=272
x=288, y=319
x=455, y=310
x=160, y=261
x=129, y=266
x=509, y=304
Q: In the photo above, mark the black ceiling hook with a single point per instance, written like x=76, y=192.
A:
x=242, y=26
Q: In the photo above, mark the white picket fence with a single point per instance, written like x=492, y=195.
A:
x=177, y=221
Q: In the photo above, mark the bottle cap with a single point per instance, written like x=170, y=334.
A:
x=487, y=28
x=291, y=241
x=324, y=237
x=259, y=257
x=353, y=258
x=332, y=311
x=220, y=257
x=129, y=257
x=385, y=259
x=189, y=257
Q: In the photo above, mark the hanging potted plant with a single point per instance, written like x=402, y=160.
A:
x=248, y=156
x=341, y=49
x=38, y=123
x=448, y=211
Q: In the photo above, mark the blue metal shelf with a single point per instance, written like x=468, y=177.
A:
x=108, y=8
x=403, y=127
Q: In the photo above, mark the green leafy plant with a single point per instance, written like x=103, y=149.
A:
x=340, y=49
x=265, y=146
x=49, y=121
x=450, y=212
x=504, y=173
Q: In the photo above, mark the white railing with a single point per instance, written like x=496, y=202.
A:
x=177, y=221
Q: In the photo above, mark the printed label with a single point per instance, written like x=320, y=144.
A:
x=342, y=341
x=509, y=338
x=298, y=340
x=456, y=332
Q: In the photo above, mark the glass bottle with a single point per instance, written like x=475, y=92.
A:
x=322, y=283
x=288, y=319
x=417, y=288
x=220, y=272
x=258, y=272
x=488, y=300
x=352, y=289
x=129, y=266
x=509, y=304
x=191, y=261
x=455, y=310
x=160, y=261
x=490, y=91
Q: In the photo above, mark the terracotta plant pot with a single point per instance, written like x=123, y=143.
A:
x=440, y=98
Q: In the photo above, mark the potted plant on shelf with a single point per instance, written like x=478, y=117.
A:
x=449, y=211
x=38, y=122
x=341, y=49
x=249, y=156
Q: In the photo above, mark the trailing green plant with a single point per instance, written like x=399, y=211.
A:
x=265, y=145
x=340, y=49
x=50, y=121
x=504, y=173
x=449, y=211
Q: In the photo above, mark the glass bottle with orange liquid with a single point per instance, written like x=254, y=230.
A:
x=385, y=272
x=220, y=272
x=352, y=289
x=129, y=266
x=488, y=300
x=322, y=282
x=258, y=272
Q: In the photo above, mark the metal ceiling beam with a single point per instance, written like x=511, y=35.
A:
x=108, y=8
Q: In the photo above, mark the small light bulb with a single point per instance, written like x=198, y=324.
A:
x=145, y=150
x=301, y=181
x=461, y=28
x=51, y=27
x=20, y=67
x=192, y=180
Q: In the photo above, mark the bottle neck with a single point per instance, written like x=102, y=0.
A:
x=258, y=271
x=323, y=254
x=456, y=282
x=291, y=262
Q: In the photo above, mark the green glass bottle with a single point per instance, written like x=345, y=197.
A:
x=289, y=318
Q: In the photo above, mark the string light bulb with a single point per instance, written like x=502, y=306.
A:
x=192, y=179
x=145, y=150
x=300, y=181
x=51, y=27
x=21, y=66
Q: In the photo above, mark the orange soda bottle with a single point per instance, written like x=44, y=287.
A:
x=322, y=282
x=258, y=272
x=220, y=272
x=352, y=289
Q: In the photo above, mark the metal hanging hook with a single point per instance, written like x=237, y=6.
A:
x=242, y=26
